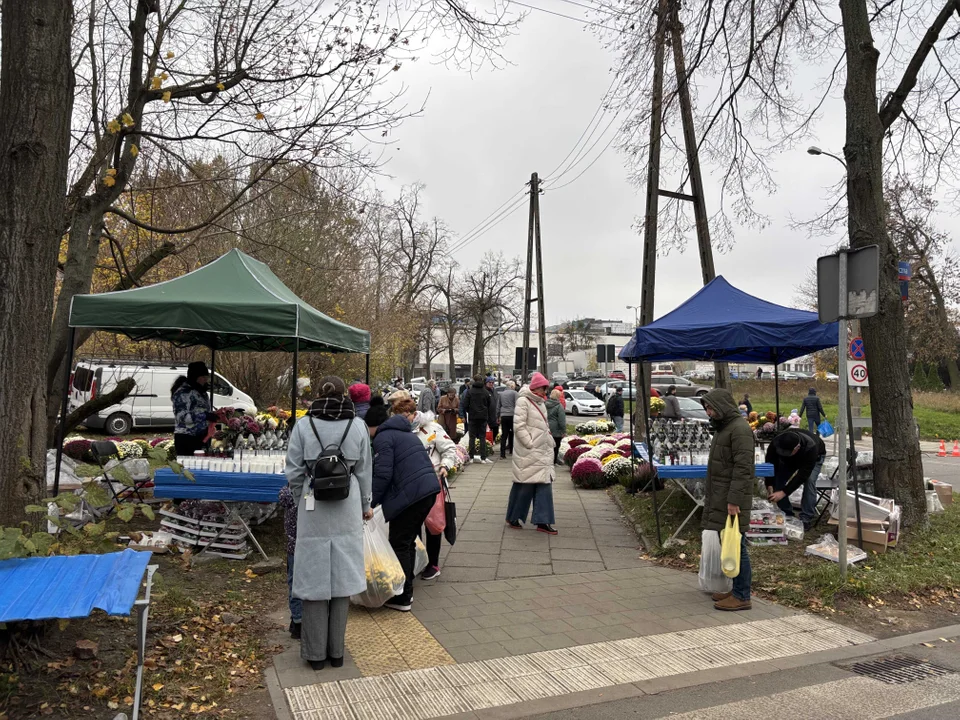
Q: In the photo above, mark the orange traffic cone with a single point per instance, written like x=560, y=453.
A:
x=956, y=449
x=942, y=452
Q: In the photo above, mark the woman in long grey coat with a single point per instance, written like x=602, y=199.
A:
x=328, y=564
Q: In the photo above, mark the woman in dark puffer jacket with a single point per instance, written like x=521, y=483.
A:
x=404, y=483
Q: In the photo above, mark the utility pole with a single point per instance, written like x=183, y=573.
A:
x=534, y=251
x=668, y=20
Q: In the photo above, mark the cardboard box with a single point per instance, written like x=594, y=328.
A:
x=944, y=491
x=875, y=535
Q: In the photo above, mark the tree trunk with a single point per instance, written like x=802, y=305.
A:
x=478, y=350
x=897, y=470
x=36, y=92
x=450, y=352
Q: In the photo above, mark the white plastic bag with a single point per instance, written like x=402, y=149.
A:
x=422, y=560
x=828, y=548
x=793, y=528
x=712, y=579
x=385, y=578
x=933, y=502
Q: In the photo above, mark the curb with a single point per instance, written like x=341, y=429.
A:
x=705, y=677
x=277, y=697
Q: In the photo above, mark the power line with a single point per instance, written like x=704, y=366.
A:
x=495, y=219
x=549, y=175
x=570, y=17
x=615, y=13
x=584, y=155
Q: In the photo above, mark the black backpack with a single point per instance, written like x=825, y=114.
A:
x=330, y=474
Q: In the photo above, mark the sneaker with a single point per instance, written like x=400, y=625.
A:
x=717, y=597
x=515, y=524
x=430, y=573
x=487, y=461
x=733, y=604
x=295, y=628
x=399, y=606
x=548, y=529
x=476, y=458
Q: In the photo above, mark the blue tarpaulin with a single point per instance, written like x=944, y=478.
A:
x=210, y=485
x=723, y=323
x=43, y=588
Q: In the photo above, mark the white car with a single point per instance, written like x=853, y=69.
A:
x=580, y=402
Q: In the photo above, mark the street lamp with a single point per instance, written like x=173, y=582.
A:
x=636, y=313
x=814, y=150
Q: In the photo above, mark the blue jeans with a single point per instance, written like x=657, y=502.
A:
x=618, y=422
x=296, y=605
x=741, y=583
x=808, y=503
x=540, y=494
x=813, y=425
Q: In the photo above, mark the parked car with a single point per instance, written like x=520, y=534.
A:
x=561, y=378
x=580, y=402
x=685, y=388
x=149, y=405
x=575, y=385
x=609, y=388
x=692, y=409
x=617, y=375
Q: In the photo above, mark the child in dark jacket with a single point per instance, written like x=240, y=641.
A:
x=404, y=483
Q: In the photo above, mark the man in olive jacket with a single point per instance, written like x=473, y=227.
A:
x=729, y=486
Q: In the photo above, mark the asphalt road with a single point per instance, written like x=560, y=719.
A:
x=946, y=469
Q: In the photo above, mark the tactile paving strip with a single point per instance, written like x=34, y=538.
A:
x=385, y=641
x=449, y=688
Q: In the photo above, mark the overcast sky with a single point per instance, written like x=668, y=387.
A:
x=480, y=138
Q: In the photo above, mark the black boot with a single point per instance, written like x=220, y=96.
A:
x=294, y=630
x=336, y=662
x=317, y=664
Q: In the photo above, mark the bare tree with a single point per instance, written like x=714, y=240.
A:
x=741, y=55
x=490, y=297
x=450, y=315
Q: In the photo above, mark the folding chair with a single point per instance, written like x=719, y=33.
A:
x=105, y=450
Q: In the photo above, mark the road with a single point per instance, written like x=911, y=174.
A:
x=815, y=692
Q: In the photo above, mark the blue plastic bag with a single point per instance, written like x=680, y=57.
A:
x=825, y=428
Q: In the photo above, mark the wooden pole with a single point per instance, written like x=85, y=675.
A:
x=528, y=292
x=541, y=319
x=707, y=268
x=649, y=280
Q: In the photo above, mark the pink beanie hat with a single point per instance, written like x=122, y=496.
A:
x=359, y=392
x=537, y=381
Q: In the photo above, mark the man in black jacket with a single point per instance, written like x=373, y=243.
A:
x=477, y=407
x=797, y=456
x=493, y=412
x=615, y=408
x=814, y=409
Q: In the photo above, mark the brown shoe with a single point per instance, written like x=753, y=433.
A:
x=731, y=603
x=717, y=597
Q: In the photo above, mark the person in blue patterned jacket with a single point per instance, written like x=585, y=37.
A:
x=191, y=408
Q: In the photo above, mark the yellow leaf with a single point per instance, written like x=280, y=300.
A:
x=259, y=116
x=169, y=54
x=221, y=86
x=111, y=172
x=163, y=76
x=112, y=705
x=158, y=686
x=134, y=150
x=113, y=126
x=127, y=120
x=928, y=645
x=155, y=83
x=109, y=181
x=177, y=638
x=166, y=96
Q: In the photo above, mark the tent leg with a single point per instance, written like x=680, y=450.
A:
x=64, y=399
x=644, y=405
x=213, y=370
x=367, y=370
x=776, y=389
x=633, y=413
x=293, y=391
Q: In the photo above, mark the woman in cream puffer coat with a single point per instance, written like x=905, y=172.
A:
x=533, y=467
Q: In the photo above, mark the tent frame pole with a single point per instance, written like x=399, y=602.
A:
x=645, y=404
x=367, y=369
x=776, y=387
x=213, y=371
x=293, y=384
x=62, y=429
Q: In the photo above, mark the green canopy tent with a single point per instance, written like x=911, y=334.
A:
x=233, y=303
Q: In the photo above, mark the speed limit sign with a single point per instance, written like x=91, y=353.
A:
x=858, y=374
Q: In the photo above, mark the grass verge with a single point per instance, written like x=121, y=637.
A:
x=923, y=568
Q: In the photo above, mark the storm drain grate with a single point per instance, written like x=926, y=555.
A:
x=899, y=669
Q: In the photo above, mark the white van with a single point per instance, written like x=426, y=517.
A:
x=149, y=405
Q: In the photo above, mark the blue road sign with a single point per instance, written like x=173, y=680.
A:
x=856, y=349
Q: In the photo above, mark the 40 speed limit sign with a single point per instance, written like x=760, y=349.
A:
x=858, y=374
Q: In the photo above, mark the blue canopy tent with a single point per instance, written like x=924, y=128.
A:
x=722, y=323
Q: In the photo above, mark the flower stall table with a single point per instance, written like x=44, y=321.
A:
x=228, y=487
x=676, y=474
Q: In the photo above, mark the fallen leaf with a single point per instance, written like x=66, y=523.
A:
x=928, y=645
x=158, y=686
x=178, y=638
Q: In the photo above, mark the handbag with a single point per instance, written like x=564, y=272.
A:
x=730, y=547
x=450, y=514
x=437, y=518
x=825, y=428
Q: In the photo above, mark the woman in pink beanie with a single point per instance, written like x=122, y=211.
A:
x=360, y=394
x=533, y=468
